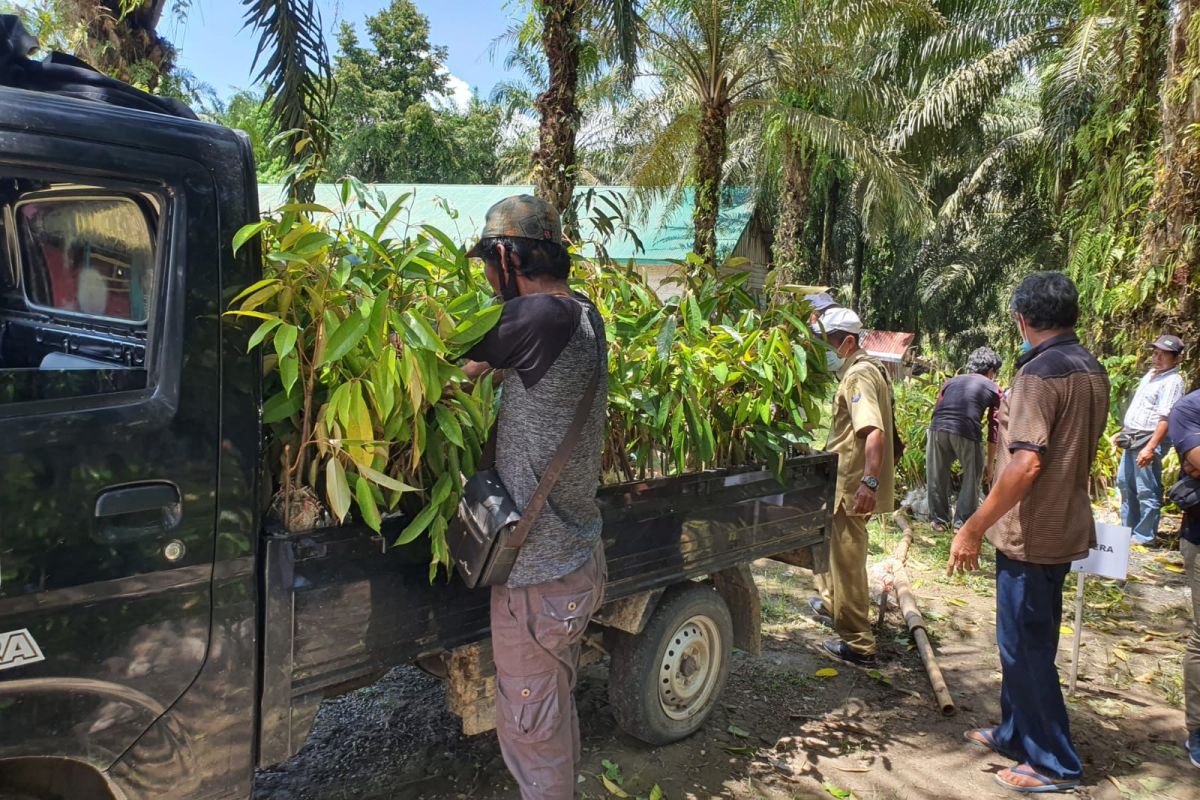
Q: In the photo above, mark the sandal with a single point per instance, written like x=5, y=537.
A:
x=983, y=738
x=1046, y=784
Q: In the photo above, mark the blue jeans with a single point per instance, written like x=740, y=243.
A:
x=1034, y=728
x=1141, y=495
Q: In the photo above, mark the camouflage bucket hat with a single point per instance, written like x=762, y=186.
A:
x=521, y=215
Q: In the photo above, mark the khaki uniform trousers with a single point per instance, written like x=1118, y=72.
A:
x=844, y=588
x=536, y=631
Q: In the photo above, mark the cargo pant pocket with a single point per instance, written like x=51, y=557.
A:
x=530, y=706
x=563, y=618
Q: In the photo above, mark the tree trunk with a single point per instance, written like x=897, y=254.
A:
x=1167, y=248
x=710, y=162
x=831, y=207
x=554, y=160
x=793, y=212
x=860, y=252
x=127, y=47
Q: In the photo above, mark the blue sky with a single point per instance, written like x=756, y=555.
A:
x=218, y=52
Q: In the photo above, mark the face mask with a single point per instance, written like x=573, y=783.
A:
x=1026, y=347
x=833, y=362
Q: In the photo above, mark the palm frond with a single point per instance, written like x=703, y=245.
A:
x=296, y=73
x=966, y=91
x=1014, y=147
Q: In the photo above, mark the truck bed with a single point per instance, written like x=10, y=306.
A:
x=342, y=607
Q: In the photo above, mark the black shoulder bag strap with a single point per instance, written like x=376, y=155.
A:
x=532, y=511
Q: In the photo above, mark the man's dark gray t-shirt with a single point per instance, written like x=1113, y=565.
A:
x=546, y=345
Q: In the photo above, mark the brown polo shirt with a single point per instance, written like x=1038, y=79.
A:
x=1057, y=407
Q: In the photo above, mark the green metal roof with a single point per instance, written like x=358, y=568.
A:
x=664, y=228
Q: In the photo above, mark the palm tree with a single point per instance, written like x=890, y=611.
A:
x=614, y=24
x=828, y=106
x=711, y=62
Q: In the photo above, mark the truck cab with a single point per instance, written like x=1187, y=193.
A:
x=129, y=442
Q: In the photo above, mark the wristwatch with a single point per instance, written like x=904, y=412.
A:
x=871, y=483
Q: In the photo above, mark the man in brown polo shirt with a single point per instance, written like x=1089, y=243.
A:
x=1039, y=518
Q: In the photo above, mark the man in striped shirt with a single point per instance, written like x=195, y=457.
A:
x=1039, y=518
x=1143, y=440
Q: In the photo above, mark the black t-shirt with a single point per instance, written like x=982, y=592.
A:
x=961, y=405
x=531, y=334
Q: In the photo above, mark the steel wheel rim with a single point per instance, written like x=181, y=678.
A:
x=689, y=668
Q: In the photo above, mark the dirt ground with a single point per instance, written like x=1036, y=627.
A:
x=783, y=732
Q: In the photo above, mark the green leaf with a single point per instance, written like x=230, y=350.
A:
x=366, y=505
x=289, y=367
x=441, y=489
x=666, y=337
x=280, y=407
x=337, y=490
x=656, y=793
x=420, y=333
x=285, y=339
x=417, y=526
x=449, y=425
x=252, y=288
x=386, y=481
x=348, y=334
x=837, y=792
x=248, y=232
x=260, y=334
x=475, y=326
x=740, y=732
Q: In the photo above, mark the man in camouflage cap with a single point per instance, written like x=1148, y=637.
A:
x=548, y=344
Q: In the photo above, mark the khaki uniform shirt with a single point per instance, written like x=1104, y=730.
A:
x=1057, y=407
x=863, y=400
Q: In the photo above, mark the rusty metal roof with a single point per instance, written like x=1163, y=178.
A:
x=889, y=342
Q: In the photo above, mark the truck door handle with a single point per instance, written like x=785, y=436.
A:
x=131, y=512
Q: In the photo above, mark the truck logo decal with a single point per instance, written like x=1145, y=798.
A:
x=18, y=648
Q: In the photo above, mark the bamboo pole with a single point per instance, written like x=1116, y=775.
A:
x=914, y=619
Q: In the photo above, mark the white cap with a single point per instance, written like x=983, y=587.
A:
x=820, y=301
x=841, y=319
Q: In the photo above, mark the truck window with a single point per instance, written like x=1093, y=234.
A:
x=91, y=256
x=79, y=289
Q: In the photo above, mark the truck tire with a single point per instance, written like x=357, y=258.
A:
x=664, y=682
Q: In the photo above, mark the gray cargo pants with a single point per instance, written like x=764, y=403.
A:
x=941, y=451
x=536, y=633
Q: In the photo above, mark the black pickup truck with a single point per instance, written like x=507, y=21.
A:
x=156, y=640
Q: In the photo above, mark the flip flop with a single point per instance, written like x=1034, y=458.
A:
x=986, y=739
x=1047, y=784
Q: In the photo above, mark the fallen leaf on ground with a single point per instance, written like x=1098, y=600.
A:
x=826, y=672
x=836, y=791
x=1155, y=785
x=1066, y=630
x=736, y=731
x=852, y=769
x=955, y=601
x=656, y=793
x=613, y=789
x=1121, y=654
x=1173, y=568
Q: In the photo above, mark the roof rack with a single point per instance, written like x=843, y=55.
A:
x=67, y=76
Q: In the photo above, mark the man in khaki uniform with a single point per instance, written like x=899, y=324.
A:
x=861, y=434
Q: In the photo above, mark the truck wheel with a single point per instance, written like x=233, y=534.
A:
x=664, y=682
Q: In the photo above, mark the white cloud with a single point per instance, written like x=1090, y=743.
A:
x=457, y=96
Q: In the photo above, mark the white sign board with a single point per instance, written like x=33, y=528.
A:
x=1110, y=557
